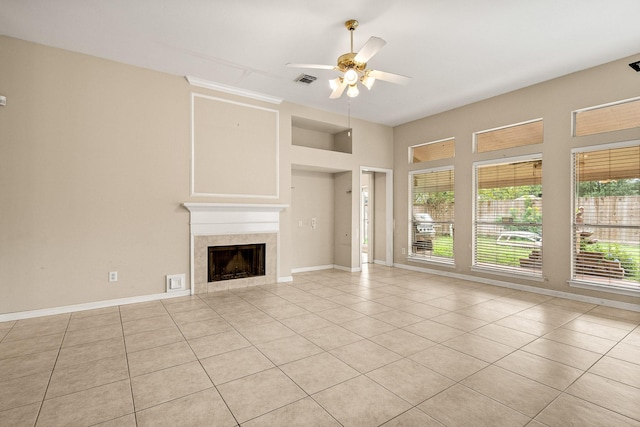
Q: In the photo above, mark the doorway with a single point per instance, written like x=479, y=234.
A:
x=376, y=216
x=366, y=220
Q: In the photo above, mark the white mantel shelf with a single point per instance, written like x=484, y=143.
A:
x=233, y=218
x=233, y=207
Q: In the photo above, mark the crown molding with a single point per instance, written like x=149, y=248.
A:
x=195, y=81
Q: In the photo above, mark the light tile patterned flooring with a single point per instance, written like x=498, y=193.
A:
x=382, y=347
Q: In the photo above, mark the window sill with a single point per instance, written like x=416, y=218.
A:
x=605, y=287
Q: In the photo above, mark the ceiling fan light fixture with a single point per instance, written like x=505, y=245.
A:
x=368, y=81
x=353, y=91
x=351, y=76
x=353, y=65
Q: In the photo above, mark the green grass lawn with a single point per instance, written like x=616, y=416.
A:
x=493, y=253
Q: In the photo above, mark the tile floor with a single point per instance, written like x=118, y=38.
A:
x=383, y=347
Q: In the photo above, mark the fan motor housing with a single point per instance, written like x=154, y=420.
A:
x=346, y=62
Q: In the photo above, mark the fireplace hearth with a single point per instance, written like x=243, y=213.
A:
x=236, y=262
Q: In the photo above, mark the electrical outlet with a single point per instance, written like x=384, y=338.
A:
x=404, y=251
x=113, y=276
x=175, y=282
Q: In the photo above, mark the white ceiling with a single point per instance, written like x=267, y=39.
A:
x=457, y=51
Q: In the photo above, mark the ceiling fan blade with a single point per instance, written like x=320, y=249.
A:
x=315, y=66
x=389, y=77
x=370, y=48
x=337, y=92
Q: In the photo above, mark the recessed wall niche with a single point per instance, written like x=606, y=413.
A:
x=320, y=135
x=234, y=149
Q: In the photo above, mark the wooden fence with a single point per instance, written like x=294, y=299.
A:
x=622, y=211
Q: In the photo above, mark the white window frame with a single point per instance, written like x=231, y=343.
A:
x=513, y=273
x=449, y=262
x=592, y=284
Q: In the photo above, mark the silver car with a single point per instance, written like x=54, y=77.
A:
x=521, y=239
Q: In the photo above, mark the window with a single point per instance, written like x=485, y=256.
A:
x=605, y=118
x=606, y=224
x=507, y=234
x=432, y=215
x=443, y=149
x=510, y=136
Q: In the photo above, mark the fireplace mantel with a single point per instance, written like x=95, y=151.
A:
x=224, y=219
x=232, y=218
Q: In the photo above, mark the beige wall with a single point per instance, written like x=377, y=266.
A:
x=553, y=101
x=312, y=197
x=93, y=165
x=95, y=162
x=312, y=139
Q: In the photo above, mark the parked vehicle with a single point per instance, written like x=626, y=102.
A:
x=521, y=239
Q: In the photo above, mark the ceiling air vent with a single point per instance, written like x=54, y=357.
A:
x=305, y=78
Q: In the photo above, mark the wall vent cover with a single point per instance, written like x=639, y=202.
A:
x=305, y=78
x=635, y=65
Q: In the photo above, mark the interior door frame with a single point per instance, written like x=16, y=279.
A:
x=388, y=213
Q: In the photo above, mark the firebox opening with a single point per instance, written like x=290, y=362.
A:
x=236, y=261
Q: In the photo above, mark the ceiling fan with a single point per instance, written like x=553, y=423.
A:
x=353, y=65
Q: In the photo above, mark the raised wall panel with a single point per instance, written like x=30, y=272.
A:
x=234, y=149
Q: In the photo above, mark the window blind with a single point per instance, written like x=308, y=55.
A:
x=606, y=221
x=507, y=234
x=436, y=150
x=432, y=215
x=511, y=136
x=607, y=118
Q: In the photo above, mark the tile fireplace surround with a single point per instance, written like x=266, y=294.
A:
x=219, y=224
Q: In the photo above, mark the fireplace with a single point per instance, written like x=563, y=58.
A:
x=236, y=262
x=233, y=225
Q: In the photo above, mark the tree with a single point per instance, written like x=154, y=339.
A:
x=509, y=193
x=437, y=203
x=618, y=187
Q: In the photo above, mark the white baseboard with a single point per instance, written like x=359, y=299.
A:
x=314, y=268
x=533, y=289
x=380, y=262
x=153, y=297
x=325, y=267
x=347, y=269
x=90, y=306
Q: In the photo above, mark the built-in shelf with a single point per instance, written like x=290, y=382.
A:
x=321, y=136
